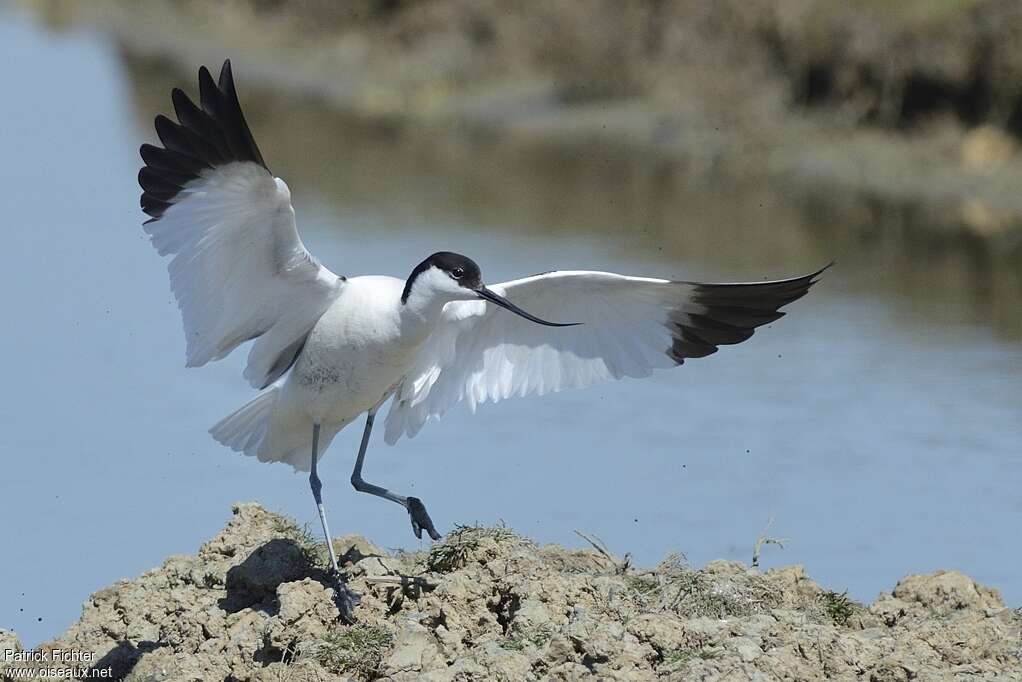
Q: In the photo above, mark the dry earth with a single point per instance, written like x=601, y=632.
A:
x=486, y=603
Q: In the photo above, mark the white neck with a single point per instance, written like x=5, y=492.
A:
x=429, y=293
x=424, y=304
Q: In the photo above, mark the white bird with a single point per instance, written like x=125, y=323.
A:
x=329, y=348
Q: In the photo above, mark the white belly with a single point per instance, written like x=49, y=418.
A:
x=355, y=355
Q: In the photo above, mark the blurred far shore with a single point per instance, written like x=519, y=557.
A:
x=889, y=130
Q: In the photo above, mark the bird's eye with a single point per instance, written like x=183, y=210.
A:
x=457, y=273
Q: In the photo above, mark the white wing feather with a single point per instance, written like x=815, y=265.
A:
x=630, y=327
x=482, y=353
x=240, y=270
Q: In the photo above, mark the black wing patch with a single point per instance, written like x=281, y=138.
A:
x=202, y=138
x=723, y=314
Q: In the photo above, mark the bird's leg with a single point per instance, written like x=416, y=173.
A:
x=346, y=599
x=317, y=488
x=416, y=509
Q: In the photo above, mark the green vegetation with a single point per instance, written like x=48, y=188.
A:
x=315, y=552
x=676, y=587
x=453, y=553
x=838, y=606
x=646, y=586
x=677, y=658
x=537, y=638
x=513, y=644
x=357, y=650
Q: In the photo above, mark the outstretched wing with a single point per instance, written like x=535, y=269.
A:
x=240, y=270
x=631, y=326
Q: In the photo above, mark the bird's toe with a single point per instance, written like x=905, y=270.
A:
x=346, y=600
x=420, y=519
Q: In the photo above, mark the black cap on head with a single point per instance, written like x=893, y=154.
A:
x=465, y=272
x=462, y=269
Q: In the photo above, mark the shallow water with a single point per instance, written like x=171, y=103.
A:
x=878, y=424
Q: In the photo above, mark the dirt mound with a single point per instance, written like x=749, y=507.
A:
x=486, y=603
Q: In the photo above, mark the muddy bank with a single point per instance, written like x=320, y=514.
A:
x=255, y=604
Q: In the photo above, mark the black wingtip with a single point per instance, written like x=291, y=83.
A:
x=209, y=135
x=725, y=314
x=226, y=79
x=822, y=270
x=815, y=277
x=204, y=74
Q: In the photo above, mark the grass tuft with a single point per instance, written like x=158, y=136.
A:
x=645, y=586
x=678, y=658
x=676, y=587
x=315, y=551
x=357, y=650
x=512, y=644
x=453, y=553
x=537, y=637
x=838, y=606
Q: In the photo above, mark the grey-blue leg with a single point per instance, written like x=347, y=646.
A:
x=416, y=509
x=317, y=489
x=346, y=599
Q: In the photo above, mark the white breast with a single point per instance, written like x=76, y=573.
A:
x=355, y=354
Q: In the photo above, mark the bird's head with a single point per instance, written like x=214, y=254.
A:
x=447, y=276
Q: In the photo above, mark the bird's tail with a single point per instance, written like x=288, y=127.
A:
x=245, y=429
x=272, y=435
